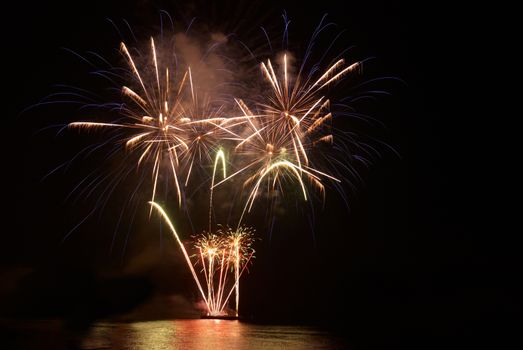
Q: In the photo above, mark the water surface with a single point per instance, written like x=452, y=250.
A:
x=179, y=334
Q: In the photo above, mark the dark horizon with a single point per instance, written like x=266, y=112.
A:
x=395, y=267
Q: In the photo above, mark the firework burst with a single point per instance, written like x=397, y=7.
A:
x=168, y=123
x=291, y=119
x=223, y=257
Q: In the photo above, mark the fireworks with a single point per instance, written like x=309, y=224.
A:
x=290, y=121
x=223, y=257
x=227, y=252
x=168, y=122
x=170, y=126
x=271, y=136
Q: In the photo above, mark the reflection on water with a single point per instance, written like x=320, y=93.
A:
x=206, y=334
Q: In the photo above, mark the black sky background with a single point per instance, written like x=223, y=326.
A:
x=402, y=264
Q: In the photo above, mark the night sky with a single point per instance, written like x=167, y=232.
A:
x=401, y=264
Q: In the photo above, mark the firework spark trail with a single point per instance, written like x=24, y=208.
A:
x=219, y=156
x=237, y=281
x=182, y=247
x=237, y=272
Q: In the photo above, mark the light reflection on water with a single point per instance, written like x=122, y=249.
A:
x=206, y=334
